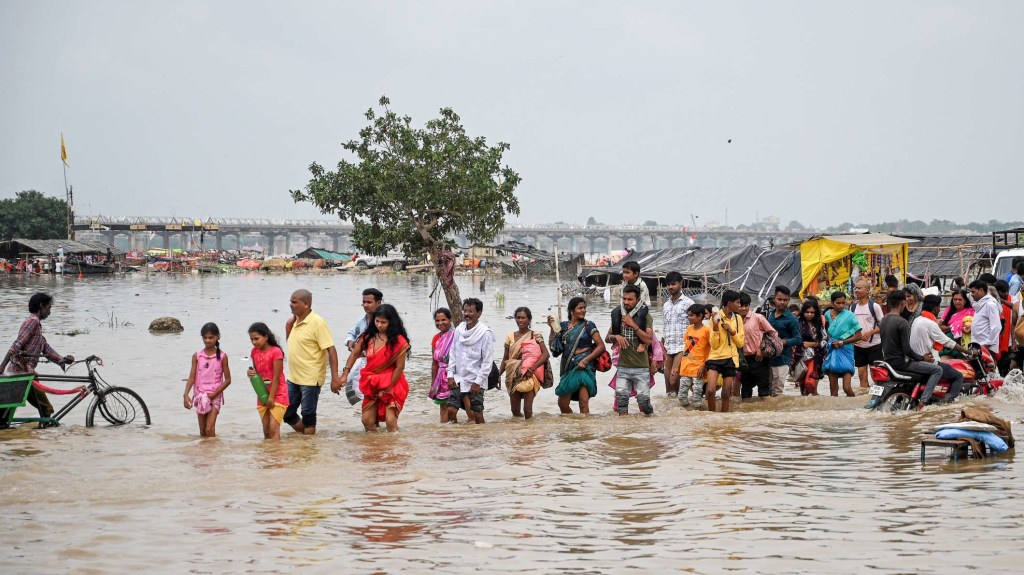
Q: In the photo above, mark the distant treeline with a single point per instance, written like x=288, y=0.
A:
x=935, y=227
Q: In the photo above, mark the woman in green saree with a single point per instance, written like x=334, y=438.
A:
x=578, y=343
x=843, y=330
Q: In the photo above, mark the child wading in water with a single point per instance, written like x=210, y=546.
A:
x=268, y=361
x=208, y=379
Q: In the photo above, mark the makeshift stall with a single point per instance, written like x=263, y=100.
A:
x=830, y=263
x=935, y=259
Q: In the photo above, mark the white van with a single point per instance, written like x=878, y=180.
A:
x=1006, y=262
x=1008, y=251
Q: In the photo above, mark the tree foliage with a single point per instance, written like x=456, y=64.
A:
x=413, y=188
x=31, y=215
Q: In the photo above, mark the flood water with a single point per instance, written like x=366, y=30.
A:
x=797, y=485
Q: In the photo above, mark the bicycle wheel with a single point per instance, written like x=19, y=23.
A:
x=118, y=406
x=898, y=402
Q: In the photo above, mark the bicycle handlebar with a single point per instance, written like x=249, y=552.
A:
x=88, y=361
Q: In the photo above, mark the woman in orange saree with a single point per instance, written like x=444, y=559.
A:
x=523, y=364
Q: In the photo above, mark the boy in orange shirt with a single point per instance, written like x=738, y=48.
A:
x=696, y=347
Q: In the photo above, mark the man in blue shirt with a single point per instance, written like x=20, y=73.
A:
x=788, y=329
x=372, y=299
x=1017, y=280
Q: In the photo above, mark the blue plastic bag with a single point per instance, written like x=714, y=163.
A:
x=839, y=360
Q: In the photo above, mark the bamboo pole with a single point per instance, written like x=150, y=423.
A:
x=558, y=286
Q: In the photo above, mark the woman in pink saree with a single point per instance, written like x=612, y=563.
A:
x=382, y=379
x=523, y=364
x=952, y=320
x=441, y=346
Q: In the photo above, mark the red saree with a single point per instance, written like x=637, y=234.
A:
x=375, y=379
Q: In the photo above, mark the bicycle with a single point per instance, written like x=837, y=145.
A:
x=116, y=404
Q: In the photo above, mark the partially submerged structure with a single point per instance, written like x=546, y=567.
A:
x=517, y=258
x=63, y=256
x=330, y=258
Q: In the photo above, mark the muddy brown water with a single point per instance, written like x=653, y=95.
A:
x=797, y=485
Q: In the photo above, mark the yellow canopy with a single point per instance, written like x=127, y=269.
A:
x=832, y=251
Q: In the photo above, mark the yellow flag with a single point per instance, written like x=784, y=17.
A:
x=63, y=151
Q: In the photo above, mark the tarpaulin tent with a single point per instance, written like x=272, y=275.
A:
x=829, y=261
x=750, y=269
x=322, y=254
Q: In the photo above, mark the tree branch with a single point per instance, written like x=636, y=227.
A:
x=436, y=213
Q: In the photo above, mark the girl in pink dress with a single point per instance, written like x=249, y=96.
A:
x=268, y=361
x=207, y=381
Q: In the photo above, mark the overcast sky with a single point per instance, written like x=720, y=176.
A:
x=837, y=111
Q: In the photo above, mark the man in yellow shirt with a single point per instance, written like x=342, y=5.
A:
x=726, y=343
x=310, y=349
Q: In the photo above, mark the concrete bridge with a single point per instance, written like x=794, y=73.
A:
x=291, y=236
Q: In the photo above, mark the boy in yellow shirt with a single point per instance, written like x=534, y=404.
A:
x=696, y=347
x=726, y=343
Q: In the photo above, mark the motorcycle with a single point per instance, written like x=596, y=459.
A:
x=901, y=391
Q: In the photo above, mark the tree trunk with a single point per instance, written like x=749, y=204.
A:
x=444, y=269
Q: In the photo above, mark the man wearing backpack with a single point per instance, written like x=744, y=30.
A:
x=869, y=314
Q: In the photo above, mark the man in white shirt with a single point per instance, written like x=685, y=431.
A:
x=925, y=332
x=987, y=318
x=469, y=363
x=868, y=349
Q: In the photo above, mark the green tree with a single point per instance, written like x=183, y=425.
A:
x=33, y=216
x=592, y=222
x=795, y=226
x=413, y=188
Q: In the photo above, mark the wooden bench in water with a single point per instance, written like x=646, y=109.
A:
x=958, y=447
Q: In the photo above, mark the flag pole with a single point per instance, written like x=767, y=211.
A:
x=69, y=197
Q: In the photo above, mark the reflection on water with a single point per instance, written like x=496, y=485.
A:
x=795, y=485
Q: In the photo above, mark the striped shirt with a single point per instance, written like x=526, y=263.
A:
x=676, y=322
x=29, y=345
